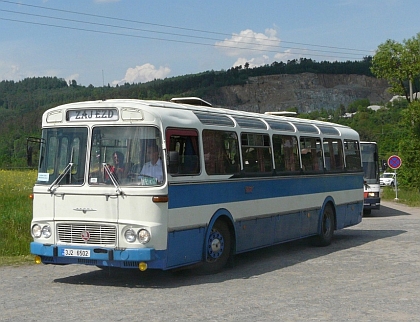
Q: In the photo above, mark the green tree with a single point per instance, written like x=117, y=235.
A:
x=357, y=105
x=409, y=147
x=399, y=63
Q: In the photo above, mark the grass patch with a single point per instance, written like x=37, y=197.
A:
x=407, y=196
x=15, y=215
x=16, y=260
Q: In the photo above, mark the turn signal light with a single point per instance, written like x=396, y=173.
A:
x=160, y=198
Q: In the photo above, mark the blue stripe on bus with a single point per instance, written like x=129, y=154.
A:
x=198, y=194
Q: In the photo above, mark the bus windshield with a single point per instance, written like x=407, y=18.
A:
x=127, y=155
x=63, y=152
x=370, y=162
x=123, y=155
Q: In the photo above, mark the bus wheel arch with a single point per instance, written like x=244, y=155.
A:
x=219, y=243
x=327, y=225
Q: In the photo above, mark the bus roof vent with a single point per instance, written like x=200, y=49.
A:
x=190, y=101
x=328, y=130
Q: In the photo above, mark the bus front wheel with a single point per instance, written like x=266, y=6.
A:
x=325, y=236
x=217, y=249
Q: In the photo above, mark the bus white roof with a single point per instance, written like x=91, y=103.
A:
x=190, y=104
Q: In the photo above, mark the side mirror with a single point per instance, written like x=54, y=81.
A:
x=30, y=141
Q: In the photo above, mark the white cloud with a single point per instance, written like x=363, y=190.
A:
x=253, y=62
x=253, y=48
x=143, y=73
x=11, y=72
x=72, y=77
x=287, y=55
x=248, y=41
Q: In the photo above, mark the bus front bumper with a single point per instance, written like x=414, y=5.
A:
x=372, y=203
x=98, y=256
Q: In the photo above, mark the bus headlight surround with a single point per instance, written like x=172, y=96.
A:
x=130, y=235
x=38, y=231
x=144, y=236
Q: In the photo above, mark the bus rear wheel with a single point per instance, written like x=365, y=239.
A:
x=325, y=236
x=217, y=249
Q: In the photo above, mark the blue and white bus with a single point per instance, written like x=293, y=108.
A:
x=161, y=185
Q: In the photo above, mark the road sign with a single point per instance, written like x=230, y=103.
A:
x=394, y=162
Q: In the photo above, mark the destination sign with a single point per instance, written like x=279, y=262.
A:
x=92, y=115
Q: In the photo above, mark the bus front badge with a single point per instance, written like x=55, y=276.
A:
x=85, y=235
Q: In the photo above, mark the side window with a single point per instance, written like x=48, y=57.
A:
x=311, y=154
x=352, y=154
x=333, y=152
x=285, y=149
x=256, y=153
x=183, y=153
x=221, y=154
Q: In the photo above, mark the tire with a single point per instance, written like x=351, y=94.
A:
x=217, y=249
x=327, y=228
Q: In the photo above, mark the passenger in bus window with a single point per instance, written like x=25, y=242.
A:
x=306, y=156
x=153, y=168
x=118, y=167
x=118, y=159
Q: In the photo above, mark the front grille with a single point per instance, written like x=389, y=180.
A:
x=87, y=261
x=130, y=264
x=98, y=234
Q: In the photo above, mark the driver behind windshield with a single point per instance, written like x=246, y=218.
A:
x=153, y=168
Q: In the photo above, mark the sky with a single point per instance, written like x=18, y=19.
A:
x=101, y=42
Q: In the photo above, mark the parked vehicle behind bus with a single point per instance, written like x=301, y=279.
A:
x=388, y=179
x=161, y=185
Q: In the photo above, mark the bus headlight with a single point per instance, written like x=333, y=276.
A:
x=36, y=231
x=130, y=235
x=46, y=231
x=144, y=236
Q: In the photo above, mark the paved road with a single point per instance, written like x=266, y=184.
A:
x=371, y=272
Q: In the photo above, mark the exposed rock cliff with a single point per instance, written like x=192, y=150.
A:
x=307, y=92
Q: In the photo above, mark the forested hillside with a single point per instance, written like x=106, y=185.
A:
x=22, y=103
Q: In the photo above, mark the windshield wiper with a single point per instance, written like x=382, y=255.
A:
x=114, y=180
x=57, y=181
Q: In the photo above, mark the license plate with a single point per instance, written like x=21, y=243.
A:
x=75, y=252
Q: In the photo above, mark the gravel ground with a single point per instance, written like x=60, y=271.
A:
x=371, y=272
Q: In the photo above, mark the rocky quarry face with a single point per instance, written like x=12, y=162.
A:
x=307, y=92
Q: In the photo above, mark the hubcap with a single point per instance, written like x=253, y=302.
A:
x=327, y=225
x=215, y=245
